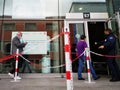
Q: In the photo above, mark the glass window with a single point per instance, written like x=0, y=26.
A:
x=50, y=11
x=30, y=26
x=42, y=8
x=51, y=26
x=89, y=7
x=6, y=5
x=1, y=7
x=116, y=5
x=9, y=26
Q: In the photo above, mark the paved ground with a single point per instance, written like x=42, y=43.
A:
x=54, y=82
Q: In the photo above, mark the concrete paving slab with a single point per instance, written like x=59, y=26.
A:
x=55, y=82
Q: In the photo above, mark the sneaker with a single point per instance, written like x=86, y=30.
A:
x=18, y=78
x=11, y=75
x=81, y=79
x=97, y=78
x=114, y=80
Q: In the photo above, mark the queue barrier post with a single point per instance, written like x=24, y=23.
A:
x=88, y=65
x=16, y=66
x=69, y=77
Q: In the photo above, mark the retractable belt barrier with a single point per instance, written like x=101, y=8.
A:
x=6, y=58
x=107, y=56
x=62, y=65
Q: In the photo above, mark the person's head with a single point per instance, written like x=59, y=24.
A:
x=19, y=34
x=82, y=37
x=107, y=31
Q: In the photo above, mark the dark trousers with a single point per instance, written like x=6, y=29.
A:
x=113, y=66
x=26, y=64
x=20, y=62
x=80, y=68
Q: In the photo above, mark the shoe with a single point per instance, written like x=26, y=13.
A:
x=11, y=75
x=18, y=78
x=114, y=80
x=81, y=79
x=97, y=78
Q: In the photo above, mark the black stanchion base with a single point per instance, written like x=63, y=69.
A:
x=62, y=76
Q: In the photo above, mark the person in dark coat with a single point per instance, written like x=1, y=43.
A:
x=17, y=44
x=108, y=45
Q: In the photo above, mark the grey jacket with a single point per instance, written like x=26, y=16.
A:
x=16, y=44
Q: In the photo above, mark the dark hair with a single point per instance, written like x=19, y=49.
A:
x=82, y=37
x=108, y=30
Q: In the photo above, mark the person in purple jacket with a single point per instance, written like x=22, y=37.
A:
x=81, y=46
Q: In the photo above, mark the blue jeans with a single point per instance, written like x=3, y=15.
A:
x=80, y=68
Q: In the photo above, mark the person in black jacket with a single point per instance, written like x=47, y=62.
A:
x=108, y=45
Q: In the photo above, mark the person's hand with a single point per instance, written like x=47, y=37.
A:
x=101, y=47
x=25, y=43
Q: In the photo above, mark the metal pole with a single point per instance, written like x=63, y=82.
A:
x=69, y=77
x=2, y=21
x=87, y=35
x=88, y=65
x=86, y=32
x=60, y=60
x=109, y=25
x=118, y=20
x=16, y=65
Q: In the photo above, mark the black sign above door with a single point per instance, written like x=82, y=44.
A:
x=86, y=15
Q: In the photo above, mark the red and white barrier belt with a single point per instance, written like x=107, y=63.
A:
x=108, y=56
x=6, y=58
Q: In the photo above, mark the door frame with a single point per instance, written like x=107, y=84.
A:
x=75, y=18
